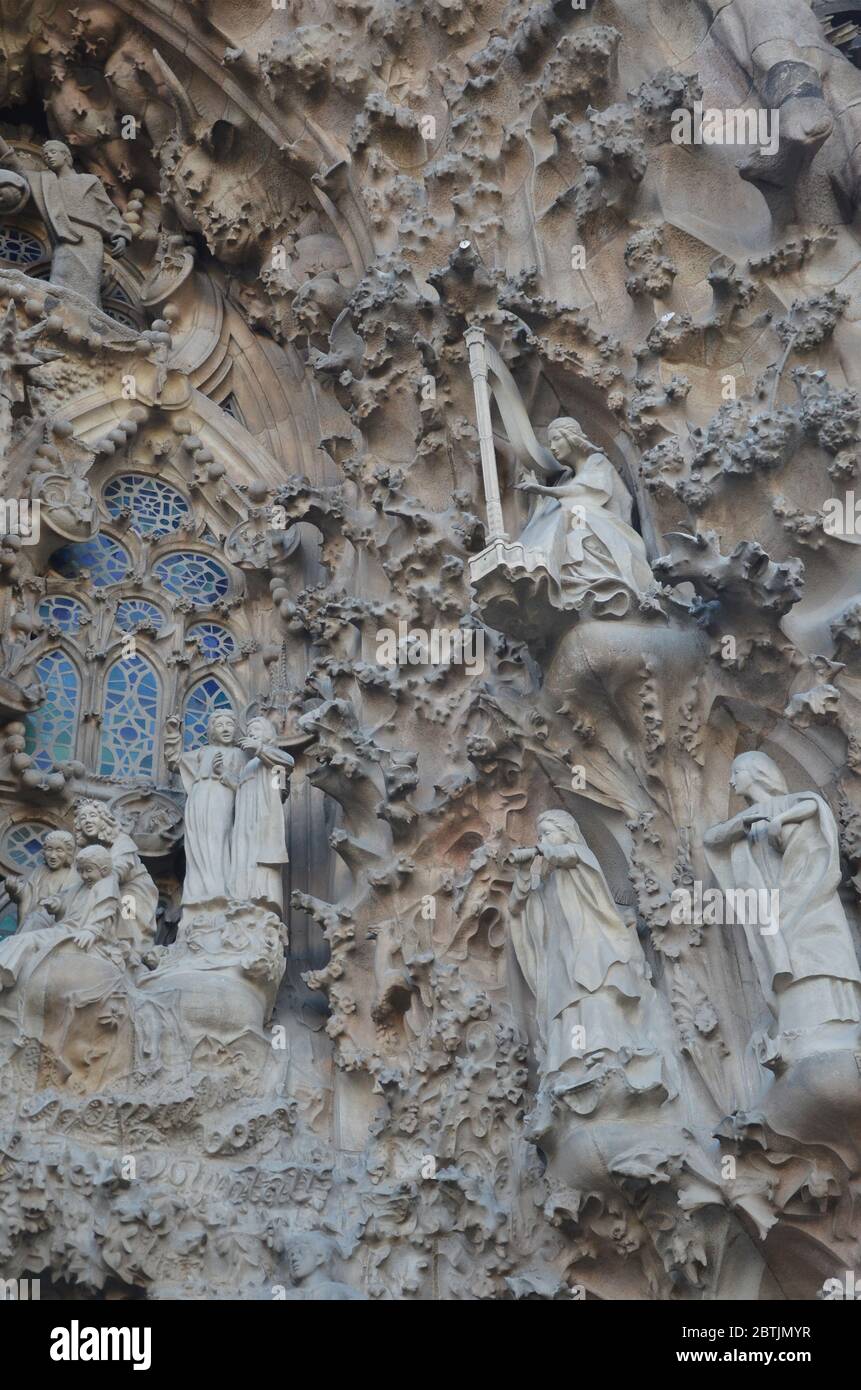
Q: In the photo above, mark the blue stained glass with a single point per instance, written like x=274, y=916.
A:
x=130, y=719
x=156, y=509
x=133, y=612
x=18, y=247
x=212, y=639
x=63, y=612
x=202, y=701
x=22, y=844
x=106, y=561
x=51, y=729
x=188, y=574
x=8, y=920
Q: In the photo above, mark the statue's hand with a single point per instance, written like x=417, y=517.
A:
x=218, y=764
x=51, y=905
x=775, y=835
x=119, y=245
x=528, y=483
x=84, y=939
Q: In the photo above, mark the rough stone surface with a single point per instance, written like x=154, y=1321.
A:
x=430, y=763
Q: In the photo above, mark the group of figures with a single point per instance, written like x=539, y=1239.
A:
x=82, y=973
x=599, y=1020
x=235, y=838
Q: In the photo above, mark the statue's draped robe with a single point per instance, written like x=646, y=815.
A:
x=585, y=968
x=46, y=992
x=43, y=883
x=208, y=820
x=78, y=214
x=807, y=970
x=259, y=845
x=595, y=559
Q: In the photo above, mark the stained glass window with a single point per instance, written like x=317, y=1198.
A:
x=51, y=729
x=130, y=720
x=202, y=701
x=18, y=247
x=22, y=844
x=136, y=612
x=105, y=560
x=156, y=508
x=212, y=639
x=62, y=611
x=190, y=575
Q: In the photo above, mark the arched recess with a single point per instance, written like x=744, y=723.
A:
x=130, y=719
x=52, y=728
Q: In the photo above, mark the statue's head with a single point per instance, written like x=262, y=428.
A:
x=756, y=776
x=566, y=440
x=58, y=851
x=57, y=155
x=93, y=821
x=94, y=863
x=261, y=729
x=559, y=828
x=305, y=1252
x=221, y=727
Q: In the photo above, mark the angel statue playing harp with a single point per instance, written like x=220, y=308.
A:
x=579, y=530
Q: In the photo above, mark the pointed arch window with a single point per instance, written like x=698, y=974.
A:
x=51, y=730
x=130, y=719
x=201, y=703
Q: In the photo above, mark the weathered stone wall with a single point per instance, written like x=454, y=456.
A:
x=529, y=330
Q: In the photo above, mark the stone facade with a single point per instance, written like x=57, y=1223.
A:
x=430, y=763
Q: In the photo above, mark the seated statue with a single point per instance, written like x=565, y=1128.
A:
x=786, y=844
x=582, y=527
x=58, y=873
x=68, y=987
x=94, y=824
x=86, y=910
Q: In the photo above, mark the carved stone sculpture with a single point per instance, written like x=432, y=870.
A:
x=430, y=440
x=210, y=777
x=79, y=217
x=785, y=847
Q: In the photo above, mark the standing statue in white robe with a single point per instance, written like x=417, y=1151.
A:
x=595, y=1007
x=210, y=776
x=259, y=845
x=786, y=842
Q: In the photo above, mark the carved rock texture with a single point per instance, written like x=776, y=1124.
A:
x=492, y=1033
